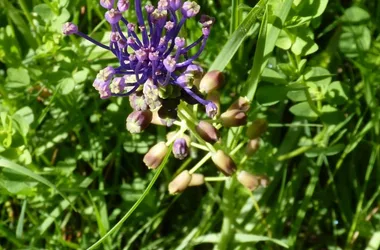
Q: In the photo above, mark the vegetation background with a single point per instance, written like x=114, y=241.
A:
x=310, y=67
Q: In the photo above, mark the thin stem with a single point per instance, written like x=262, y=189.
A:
x=218, y=178
x=200, y=163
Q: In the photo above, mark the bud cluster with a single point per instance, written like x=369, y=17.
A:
x=155, y=67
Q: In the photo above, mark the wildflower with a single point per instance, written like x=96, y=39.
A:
x=252, y=146
x=248, y=180
x=211, y=81
x=224, y=162
x=233, y=118
x=137, y=121
x=157, y=57
x=207, y=132
x=180, y=148
x=155, y=155
x=197, y=180
x=257, y=128
x=180, y=182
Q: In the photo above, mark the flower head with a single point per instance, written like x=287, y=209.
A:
x=152, y=52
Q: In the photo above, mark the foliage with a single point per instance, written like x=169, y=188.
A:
x=69, y=170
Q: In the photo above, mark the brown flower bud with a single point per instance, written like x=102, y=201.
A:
x=248, y=180
x=155, y=155
x=264, y=181
x=233, y=118
x=208, y=132
x=197, y=179
x=252, y=146
x=180, y=182
x=137, y=121
x=242, y=104
x=224, y=162
x=257, y=128
x=211, y=81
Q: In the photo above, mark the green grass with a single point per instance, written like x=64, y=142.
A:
x=72, y=176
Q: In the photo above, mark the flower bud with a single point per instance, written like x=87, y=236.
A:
x=252, y=146
x=208, y=132
x=211, y=81
x=170, y=63
x=123, y=5
x=69, y=28
x=108, y=4
x=214, y=97
x=233, y=118
x=248, y=180
x=180, y=182
x=257, y=128
x=137, y=121
x=242, y=104
x=155, y=155
x=137, y=102
x=197, y=180
x=224, y=162
x=190, y=9
x=113, y=16
x=264, y=181
x=211, y=109
x=180, y=148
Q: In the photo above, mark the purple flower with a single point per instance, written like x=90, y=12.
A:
x=180, y=149
x=108, y=4
x=151, y=51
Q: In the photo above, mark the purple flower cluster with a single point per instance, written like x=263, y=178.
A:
x=155, y=67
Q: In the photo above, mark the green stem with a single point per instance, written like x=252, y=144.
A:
x=133, y=208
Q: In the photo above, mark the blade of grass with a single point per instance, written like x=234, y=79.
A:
x=20, y=222
x=133, y=208
x=237, y=38
x=5, y=163
x=265, y=45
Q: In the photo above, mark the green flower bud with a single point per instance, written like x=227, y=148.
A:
x=224, y=162
x=257, y=128
x=197, y=180
x=208, y=132
x=248, y=180
x=137, y=121
x=211, y=81
x=252, y=146
x=180, y=182
x=233, y=118
x=155, y=155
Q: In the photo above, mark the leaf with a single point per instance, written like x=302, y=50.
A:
x=66, y=85
x=5, y=163
x=303, y=109
x=331, y=115
x=284, y=42
x=17, y=78
x=247, y=238
x=44, y=11
x=268, y=95
x=336, y=93
x=355, y=15
x=26, y=113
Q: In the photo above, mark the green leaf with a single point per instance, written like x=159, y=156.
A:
x=268, y=95
x=355, y=15
x=44, y=11
x=336, y=93
x=303, y=109
x=17, y=78
x=284, y=41
x=248, y=238
x=5, y=163
x=331, y=115
x=66, y=85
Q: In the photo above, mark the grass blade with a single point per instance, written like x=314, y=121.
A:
x=237, y=38
x=5, y=163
